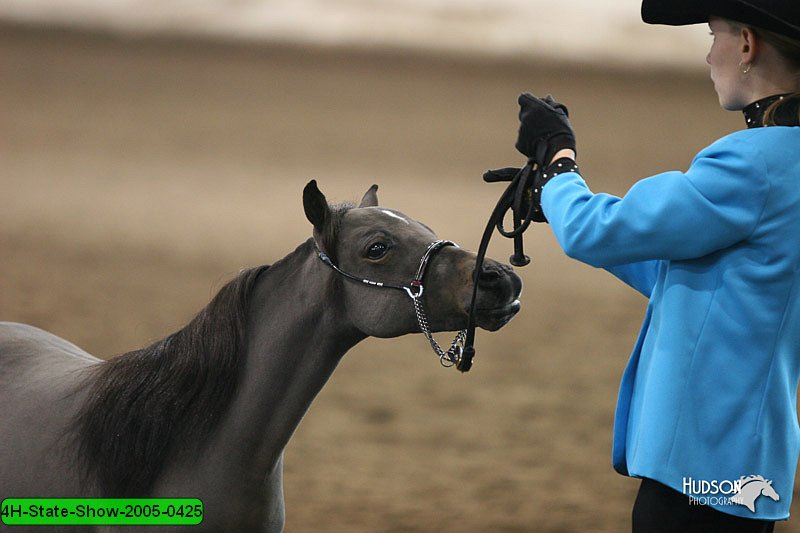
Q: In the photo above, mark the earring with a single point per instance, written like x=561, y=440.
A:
x=744, y=68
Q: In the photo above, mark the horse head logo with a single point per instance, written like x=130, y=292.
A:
x=750, y=488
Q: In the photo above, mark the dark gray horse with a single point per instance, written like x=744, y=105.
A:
x=207, y=411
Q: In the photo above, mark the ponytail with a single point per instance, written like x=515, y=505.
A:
x=784, y=112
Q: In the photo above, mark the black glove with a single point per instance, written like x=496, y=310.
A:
x=544, y=128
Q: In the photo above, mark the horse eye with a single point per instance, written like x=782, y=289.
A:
x=377, y=250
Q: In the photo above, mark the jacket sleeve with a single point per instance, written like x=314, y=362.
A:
x=670, y=216
x=640, y=276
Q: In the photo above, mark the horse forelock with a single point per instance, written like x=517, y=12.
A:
x=144, y=405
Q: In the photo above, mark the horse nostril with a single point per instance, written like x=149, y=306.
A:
x=489, y=275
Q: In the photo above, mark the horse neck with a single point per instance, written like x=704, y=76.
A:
x=297, y=334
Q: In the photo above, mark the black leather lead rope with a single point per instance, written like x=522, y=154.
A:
x=514, y=199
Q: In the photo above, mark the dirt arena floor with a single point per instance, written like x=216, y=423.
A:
x=136, y=176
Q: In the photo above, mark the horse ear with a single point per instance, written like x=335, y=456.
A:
x=370, y=198
x=316, y=206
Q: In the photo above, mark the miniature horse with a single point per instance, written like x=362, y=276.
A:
x=207, y=412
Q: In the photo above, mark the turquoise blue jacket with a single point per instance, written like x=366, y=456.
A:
x=709, y=393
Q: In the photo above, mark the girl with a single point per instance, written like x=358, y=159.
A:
x=706, y=414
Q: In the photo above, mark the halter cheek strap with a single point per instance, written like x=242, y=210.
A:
x=414, y=289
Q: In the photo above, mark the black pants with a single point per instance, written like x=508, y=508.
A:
x=659, y=509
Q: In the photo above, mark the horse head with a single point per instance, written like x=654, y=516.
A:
x=750, y=488
x=384, y=246
x=769, y=491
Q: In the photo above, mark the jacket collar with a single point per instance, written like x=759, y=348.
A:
x=754, y=113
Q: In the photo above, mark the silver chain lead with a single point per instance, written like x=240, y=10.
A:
x=448, y=358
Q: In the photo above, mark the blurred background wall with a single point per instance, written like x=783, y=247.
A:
x=150, y=149
x=605, y=32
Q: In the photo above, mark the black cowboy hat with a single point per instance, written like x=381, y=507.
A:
x=779, y=16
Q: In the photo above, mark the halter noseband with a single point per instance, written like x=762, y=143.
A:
x=414, y=289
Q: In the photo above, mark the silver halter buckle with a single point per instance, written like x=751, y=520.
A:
x=415, y=285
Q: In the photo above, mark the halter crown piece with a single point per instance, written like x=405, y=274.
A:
x=414, y=289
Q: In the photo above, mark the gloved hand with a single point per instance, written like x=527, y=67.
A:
x=544, y=128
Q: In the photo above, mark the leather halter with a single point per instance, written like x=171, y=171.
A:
x=414, y=289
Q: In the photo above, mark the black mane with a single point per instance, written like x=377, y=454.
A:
x=143, y=404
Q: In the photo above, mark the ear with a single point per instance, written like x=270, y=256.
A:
x=316, y=206
x=370, y=197
x=750, y=45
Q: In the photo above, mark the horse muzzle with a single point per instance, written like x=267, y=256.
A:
x=499, y=290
